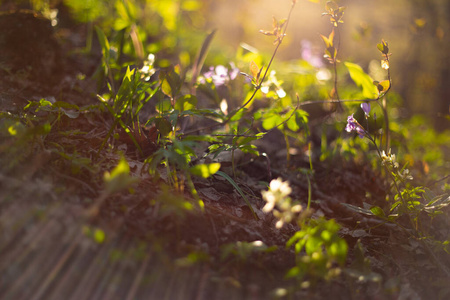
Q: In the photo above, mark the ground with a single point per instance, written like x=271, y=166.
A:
x=142, y=243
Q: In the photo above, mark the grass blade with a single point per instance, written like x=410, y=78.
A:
x=234, y=184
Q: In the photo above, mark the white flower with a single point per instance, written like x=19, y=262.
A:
x=388, y=159
x=280, y=187
x=406, y=175
x=270, y=199
x=278, y=191
x=278, y=197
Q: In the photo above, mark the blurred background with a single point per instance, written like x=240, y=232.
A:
x=417, y=32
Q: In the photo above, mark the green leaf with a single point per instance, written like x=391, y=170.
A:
x=201, y=138
x=127, y=12
x=292, y=124
x=383, y=47
x=339, y=250
x=201, y=55
x=70, y=110
x=252, y=149
x=163, y=125
x=16, y=128
x=358, y=209
x=437, y=203
x=119, y=178
x=271, y=120
x=297, y=236
x=205, y=170
x=294, y=272
x=71, y=113
x=66, y=105
x=298, y=120
x=254, y=71
x=313, y=244
x=377, y=211
x=164, y=106
x=392, y=217
x=382, y=86
x=362, y=80
x=104, y=43
x=187, y=102
x=395, y=205
x=328, y=40
x=170, y=82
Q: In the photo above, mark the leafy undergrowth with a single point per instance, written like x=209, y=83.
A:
x=124, y=180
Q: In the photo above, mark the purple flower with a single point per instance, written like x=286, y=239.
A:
x=307, y=54
x=220, y=75
x=366, y=108
x=353, y=125
x=233, y=72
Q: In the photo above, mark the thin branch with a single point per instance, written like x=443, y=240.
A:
x=258, y=87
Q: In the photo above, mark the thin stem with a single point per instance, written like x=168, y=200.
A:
x=335, y=82
x=394, y=180
x=386, y=123
x=309, y=192
x=258, y=87
x=335, y=67
x=384, y=107
x=334, y=61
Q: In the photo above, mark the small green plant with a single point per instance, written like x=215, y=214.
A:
x=174, y=147
x=405, y=198
x=320, y=251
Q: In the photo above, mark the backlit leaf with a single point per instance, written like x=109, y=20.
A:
x=295, y=271
x=271, y=120
x=339, y=250
x=201, y=55
x=119, y=178
x=383, y=47
x=186, y=102
x=254, y=70
x=170, y=83
x=205, y=170
x=362, y=80
x=382, y=86
x=328, y=40
x=104, y=43
x=377, y=211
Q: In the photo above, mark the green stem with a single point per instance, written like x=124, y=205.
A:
x=309, y=192
x=394, y=181
x=258, y=87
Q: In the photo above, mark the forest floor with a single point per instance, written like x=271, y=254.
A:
x=145, y=244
